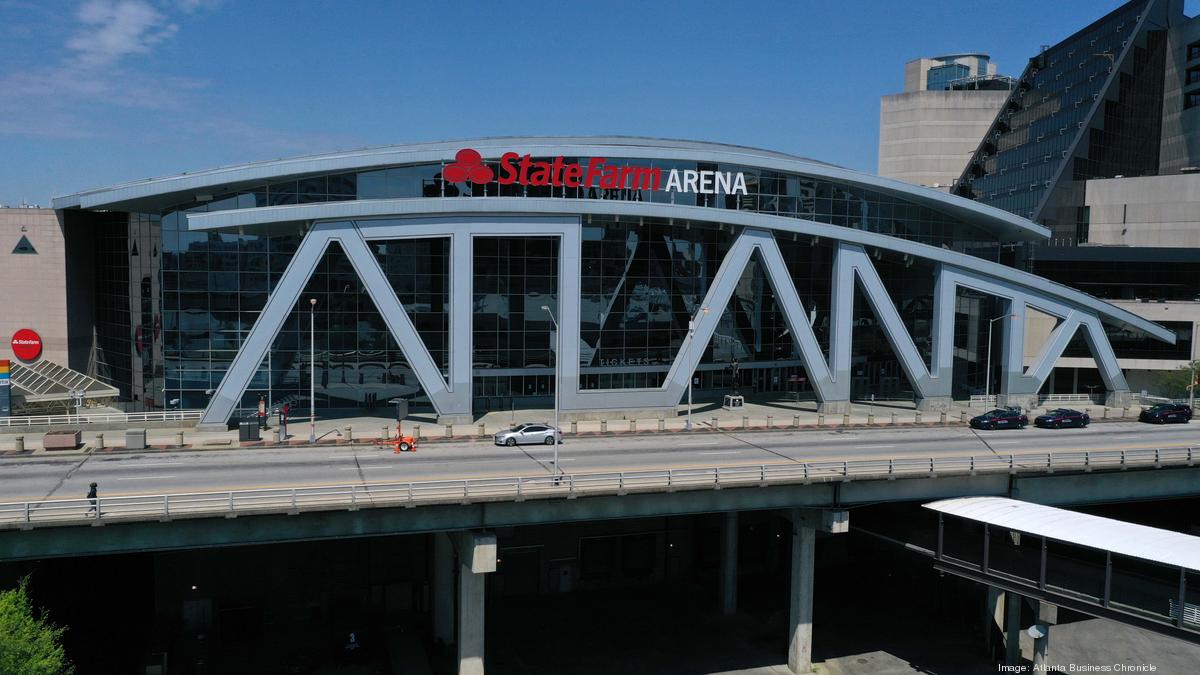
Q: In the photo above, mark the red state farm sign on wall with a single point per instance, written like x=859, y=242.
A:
x=468, y=166
x=27, y=345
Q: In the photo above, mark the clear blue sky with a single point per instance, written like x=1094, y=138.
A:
x=96, y=92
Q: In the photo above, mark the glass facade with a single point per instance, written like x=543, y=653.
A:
x=1062, y=126
x=642, y=280
x=175, y=306
x=771, y=192
x=940, y=77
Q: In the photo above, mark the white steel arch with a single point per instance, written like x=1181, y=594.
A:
x=451, y=395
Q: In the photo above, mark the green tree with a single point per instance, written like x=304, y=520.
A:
x=29, y=643
x=1174, y=383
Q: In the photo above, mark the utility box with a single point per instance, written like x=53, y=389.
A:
x=401, y=408
x=135, y=439
x=248, y=431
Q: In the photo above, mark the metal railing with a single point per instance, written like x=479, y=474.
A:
x=979, y=400
x=1071, y=398
x=101, y=418
x=519, y=488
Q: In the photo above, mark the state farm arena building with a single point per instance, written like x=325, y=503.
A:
x=440, y=271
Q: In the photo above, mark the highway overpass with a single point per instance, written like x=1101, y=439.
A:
x=462, y=493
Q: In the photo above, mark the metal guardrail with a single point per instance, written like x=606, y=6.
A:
x=1191, y=613
x=1071, y=398
x=30, y=514
x=990, y=400
x=103, y=418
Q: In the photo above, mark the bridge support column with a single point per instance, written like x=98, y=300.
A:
x=1012, y=629
x=1047, y=616
x=993, y=617
x=443, y=589
x=476, y=557
x=805, y=523
x=729, y=563
x=804, y=541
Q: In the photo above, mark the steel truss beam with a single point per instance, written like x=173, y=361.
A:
x=830, y=376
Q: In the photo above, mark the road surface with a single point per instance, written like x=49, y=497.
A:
x=47, y=476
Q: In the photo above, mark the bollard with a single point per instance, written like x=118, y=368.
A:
x=179, y=439
x=449, y=431
x=574, y=428
x=99, y=441
x=820, y=419
x=870, y=418
x=770, y=421
x=278, y=434
x=482, y=430
x=942, y=418
x=1105, y=412
x=1125, y=411
x=845, y=419
x=349, y=434
x=745, y=422
x=387, y=435
x=19, y=444
x=917, y=417
x=796, y=421
x=632, y=425
x=662, y=424
x=962, y=417
x=416, y=432
x=893, y=418
x=715, y=425
x=604, y=426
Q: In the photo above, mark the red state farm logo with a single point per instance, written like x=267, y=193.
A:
x=468, y=166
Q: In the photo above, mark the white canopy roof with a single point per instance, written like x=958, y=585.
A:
x=1128, y=539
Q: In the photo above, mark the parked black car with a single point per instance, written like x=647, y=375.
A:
x=1164, y=413
x=1062, y=417
x=1000, y=418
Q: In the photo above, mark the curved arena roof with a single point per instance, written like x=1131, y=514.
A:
x=159, y=193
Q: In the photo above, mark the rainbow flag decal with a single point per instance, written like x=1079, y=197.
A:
x=5, y=388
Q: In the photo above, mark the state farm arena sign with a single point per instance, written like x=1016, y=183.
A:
x=596, y=173
x=27, y=345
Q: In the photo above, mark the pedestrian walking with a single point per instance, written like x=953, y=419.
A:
x=91, y=495
x=283, y=420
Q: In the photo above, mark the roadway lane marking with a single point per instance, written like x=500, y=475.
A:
x=873, y=447
x=720, y=452
x=145, y=477
x=143, y=466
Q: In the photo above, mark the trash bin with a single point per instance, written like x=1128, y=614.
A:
x=135, y=439
x=248, y=431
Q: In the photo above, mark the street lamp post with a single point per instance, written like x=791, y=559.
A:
x=692, y=375
x=557, y=363
x=987, y=376
x=1192, y=389
x=312, y=370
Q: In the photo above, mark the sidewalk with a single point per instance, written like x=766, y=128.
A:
x=371, y=430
